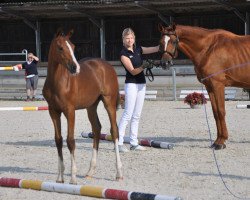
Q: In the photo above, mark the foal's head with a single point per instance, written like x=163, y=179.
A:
x=63, y=52
x=168, y=43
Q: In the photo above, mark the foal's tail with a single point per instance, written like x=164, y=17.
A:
x=118, y=100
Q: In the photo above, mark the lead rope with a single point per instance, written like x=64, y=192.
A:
x=215, y=158
x=209, y=131
x=150, y=75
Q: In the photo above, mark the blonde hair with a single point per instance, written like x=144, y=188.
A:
x=127, y=31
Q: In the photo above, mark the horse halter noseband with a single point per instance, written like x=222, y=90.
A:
x=175, y=42
x=149, y=74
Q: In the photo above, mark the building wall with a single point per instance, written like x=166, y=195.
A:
x=16, y=35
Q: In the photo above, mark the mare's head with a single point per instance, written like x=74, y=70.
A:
x=62, y=51
x=168, y=43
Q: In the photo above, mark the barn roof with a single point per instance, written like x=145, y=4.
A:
x=49, y=9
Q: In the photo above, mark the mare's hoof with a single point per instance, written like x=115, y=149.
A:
x=119, y=178
x=218, y=146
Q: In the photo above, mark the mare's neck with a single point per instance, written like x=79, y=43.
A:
x=190, y=40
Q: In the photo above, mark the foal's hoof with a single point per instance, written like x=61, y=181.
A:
x=218, y=146
x=119, y=178
x=59, y=181
x=88, y=177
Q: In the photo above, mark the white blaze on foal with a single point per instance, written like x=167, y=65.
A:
x=73, y=58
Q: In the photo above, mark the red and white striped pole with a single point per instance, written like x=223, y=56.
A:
x=82, y=190
x=27, y=108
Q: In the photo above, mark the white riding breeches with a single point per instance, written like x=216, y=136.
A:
x=134, y=99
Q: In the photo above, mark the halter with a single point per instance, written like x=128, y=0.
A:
x=149, y=74
x=175, y=42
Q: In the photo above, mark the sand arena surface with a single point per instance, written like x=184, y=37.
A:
x=28, y=152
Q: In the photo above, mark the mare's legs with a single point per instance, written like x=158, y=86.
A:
x=110, y=105
x=96, y=129
x=217, y=97
x=56, y=119
x=70, y=116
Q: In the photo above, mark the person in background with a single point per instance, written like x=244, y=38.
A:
x=135, y=88
x=31, y=74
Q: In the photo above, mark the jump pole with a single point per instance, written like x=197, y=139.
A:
x=243, y=106
x=143, y=142
x=10, y=68
x=7, y=68
x=39, y=108
x=82, y=190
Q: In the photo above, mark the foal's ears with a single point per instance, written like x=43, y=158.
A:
x=160, y=28
x=59, y=32
x=70, y=33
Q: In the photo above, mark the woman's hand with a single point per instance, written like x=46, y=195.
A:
x=147, y=65
x=17, y=67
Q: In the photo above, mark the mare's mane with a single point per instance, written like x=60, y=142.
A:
x=203, y=31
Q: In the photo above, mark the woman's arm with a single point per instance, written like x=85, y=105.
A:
x=128, y=65
x=17, y=67
x=148, y=50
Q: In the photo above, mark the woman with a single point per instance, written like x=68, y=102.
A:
x=135, y=87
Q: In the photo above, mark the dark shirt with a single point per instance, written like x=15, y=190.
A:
x=136, y=60
x=30, y=68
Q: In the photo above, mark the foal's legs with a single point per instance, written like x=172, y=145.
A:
x=70, y=116
x=110, y=105
x=96, y=129
x=56, y=119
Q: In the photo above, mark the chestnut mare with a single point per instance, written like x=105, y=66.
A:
x=70, y=86
x=220, y=59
